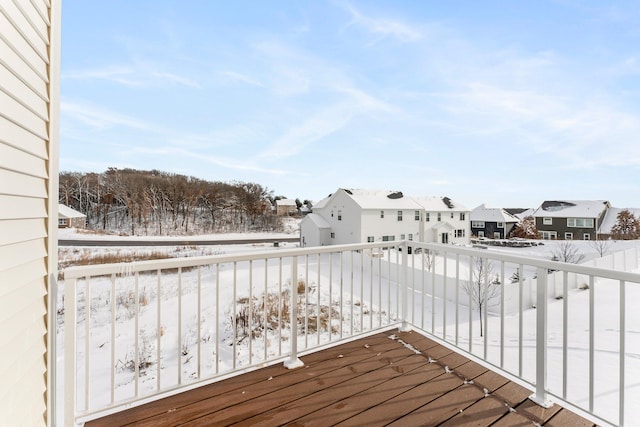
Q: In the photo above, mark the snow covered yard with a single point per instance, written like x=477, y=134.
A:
x=193, y=352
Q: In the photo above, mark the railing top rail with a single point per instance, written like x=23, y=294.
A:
x=172, y=263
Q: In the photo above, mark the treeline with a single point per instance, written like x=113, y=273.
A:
x=160, y=203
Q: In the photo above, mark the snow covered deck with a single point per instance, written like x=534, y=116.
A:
x=389, y=378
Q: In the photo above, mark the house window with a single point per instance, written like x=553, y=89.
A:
x=477, y=224
x=381, y=214
x=402, y=237
x=481, y=234
x=451, y=215
x=370, y=239
x=332, y=214
x=62, y=221
x=568, y=236
x=460, y=232
x=399, y=215
x=333, y=235
x=549, y=235
x=339, y=215
x=439, y=216
x=410, y=237
x=501, y=225
x=580, y=222
x=388, y=238
x=586, y=236
x=547, y=221
x=426, y=216
x=462, y=216
x=416, y=215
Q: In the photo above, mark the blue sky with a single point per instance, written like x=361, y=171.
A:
x=496, y=102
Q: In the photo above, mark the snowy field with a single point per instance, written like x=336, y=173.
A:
x=180, y=353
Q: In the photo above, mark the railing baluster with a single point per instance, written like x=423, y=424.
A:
x=457, y=297
x=470, y=306
x=540, y=396
x=179, y=325
x=306, y=301
x=199, y=323
x=87, y=341
x=158, y=329
x=70, y=352
x=318, y=293
x=217, y=314
x=136, y=328
x=405, y=290
x=520, y=317
x=592, y=301
x=293, y=361
x=234, y=320
x=502, y=286
x=351, y=293
x=250, y=308
x=280, y=306
x=444, y=296
x=265, y=302
x=622, y=355
x=565, y=333
x=330, y=296
x=113, y=339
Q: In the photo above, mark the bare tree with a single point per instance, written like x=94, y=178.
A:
x=483, y=288
x=567, y=252
x=601, y=246
x=526, y=229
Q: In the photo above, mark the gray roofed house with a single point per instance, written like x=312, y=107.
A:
x=494, y=223
x=570, y=219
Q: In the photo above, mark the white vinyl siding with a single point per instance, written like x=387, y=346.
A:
x=29, y=96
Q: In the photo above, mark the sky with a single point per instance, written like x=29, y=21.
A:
x=496, y=102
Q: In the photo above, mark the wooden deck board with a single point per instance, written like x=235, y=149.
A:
x=400, y=379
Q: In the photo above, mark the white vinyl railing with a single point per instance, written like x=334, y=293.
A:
x=138, y=331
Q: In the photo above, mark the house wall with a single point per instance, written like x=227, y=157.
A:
x=29, y=96
x=492, y=227
x=376, y=227
x=559, y=225
x=433, y=235
x=347, y=228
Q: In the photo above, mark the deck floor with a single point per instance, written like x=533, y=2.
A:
x=397, y=379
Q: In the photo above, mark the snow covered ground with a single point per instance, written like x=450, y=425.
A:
x=352, y=314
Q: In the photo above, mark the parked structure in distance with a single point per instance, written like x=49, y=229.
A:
x=361, y=216
x=68, y=217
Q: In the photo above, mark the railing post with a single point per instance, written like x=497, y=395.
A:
x=540, y=396
x=404, y=288
x=294, y=362
x=70, y=319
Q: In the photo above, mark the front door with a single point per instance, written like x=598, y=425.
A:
x=445, y=238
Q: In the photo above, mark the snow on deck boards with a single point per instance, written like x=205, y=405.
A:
x=401, y=379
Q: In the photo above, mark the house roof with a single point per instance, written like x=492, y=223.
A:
x=571, y=208
x=483, y=213
x=286, y=202
x=317, y=220
x=381, y=199
x=67, y=212
x=611, y=218
x=439, y=203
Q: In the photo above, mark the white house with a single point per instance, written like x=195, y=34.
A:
x=29, y=122
x=358, y=216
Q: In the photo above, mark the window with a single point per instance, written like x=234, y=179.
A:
x=460, y=232
x=580, y=222
x=388, y=238
x=331, y=214
x=496, y=235
x=426, y=216
x=402, y=237
x=462, y=216
x=416, y=215
x=381, y=214
x=549, y=235
x=439, y=216
x=568, y=236
x=480, y=234
x=333, y=235
x=501, y=225
x=62, y=221
x=410, y=237
x=586, y=236
x=370, y=239
x=547, y=221
x=451, y=215
x=477, y=224
x=399, y=215
x=339, y=215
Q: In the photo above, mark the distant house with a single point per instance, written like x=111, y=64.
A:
x=570, y=219
x=68, y=217
x=494, y=223
x=360, y=216
x=610, y=220
x=286, y=207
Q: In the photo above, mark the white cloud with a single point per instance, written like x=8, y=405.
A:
x=384, y=27
x=241, y=78
x=99, y=118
